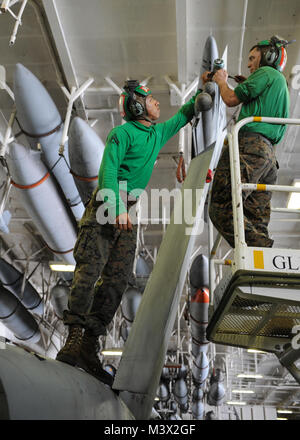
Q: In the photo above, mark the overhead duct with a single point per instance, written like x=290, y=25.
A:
x=12, y=280
x=16, y=318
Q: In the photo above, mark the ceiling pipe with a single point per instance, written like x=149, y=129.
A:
x=242, y=36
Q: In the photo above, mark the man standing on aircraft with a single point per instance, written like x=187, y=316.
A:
x=105, y=252
x=264, y=93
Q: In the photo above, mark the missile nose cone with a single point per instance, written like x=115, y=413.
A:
x=78, y=125
x=83, y=137
x=35, y=107
x=199, y=272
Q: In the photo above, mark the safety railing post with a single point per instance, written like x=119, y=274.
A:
x=237, y=186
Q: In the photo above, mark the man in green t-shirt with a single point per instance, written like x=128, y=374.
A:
x=105, y=247
x=264, y=93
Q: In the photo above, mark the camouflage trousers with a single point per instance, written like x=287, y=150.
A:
x=258, y=165
x=104, y=261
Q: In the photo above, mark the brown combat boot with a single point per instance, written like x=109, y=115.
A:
x=89, y=361
x=70, y=351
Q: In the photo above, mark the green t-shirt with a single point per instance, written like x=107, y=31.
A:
x=264, y=93
x=129, y=156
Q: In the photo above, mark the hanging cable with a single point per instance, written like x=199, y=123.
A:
x=181, y=174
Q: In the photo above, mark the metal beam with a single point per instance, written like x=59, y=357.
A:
x=63, y=50
x=182, y=40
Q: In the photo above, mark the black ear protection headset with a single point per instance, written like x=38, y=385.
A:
x=136, y=107
x=274, y=54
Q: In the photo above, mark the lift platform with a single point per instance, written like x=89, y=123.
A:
x=256, y=304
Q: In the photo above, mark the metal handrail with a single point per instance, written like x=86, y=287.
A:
x=236, y=184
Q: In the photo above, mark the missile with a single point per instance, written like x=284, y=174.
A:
x=180, y=391
x=165, y=374
x=199, y=304
x=216, y=391
x=41, y=123
x=198, y=309
x=173, y=406
x=4, y=221
x=42, y=200
x=206, y=123
x=17, y=318
x=124, y=331
x=142, y=271
x=198, y=410
x=209, y=118
x=12, y=280
x=197, y=394
x=163, y=392
x=210, y=415
x=38, y=388
x=198, y=347
x=130, y=304
x=216, y=394
x=210, y=53
x=199, y=272
x=85, y=153
x=182, y=372
x=175, y=416
x=200, y=369
x=59, y=299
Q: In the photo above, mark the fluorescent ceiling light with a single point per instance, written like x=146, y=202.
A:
x=294, y=199
x=250, y=375
x=61, y=267
x=237, y=402
x=252, y=350
x=284, y=411
x=281, y=418
x=112, y=352
x=243, y=391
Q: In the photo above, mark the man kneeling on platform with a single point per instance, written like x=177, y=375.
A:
x=263, y=93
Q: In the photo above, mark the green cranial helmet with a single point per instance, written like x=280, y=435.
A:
x=132, y=103
x=273, y=52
